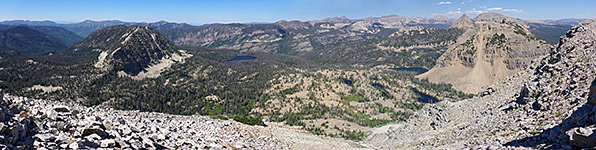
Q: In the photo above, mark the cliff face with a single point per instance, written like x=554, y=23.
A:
x=490, y=50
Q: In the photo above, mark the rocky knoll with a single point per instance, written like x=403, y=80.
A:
x=548, y=105
x=130, y=50
x=40, y=124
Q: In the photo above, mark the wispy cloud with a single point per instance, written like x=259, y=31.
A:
x=513, y=10
x=501, y=9
x=474, y=11
x=452, y=13
x=495, y=8
x=444, y=3
x=466, y=1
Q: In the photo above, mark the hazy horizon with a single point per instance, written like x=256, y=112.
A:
x=269, y=11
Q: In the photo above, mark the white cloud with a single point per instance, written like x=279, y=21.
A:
x=466, y=1
x=502, y=9
x=495, y=8
x=482, y=7
x=444, y=3
x=454, y=13
x=513, y=10
x=451, y=13
x=474, y=11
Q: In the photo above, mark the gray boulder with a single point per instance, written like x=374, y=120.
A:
x=583, y=137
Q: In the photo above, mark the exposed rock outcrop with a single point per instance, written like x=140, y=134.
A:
x=493, y=48
x=41, y=124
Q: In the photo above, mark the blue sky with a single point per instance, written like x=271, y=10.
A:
x=227, y=11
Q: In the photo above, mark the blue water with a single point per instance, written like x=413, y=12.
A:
x=416, y=70
x=378, y=85
x=239, y=58
x=424, y=98
x=346, y=81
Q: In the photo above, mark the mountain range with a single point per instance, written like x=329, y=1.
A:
x=381, y=83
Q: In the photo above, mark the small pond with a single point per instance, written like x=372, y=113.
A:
x=378, y=85
x=239, y=58
x=346, y=81
x=416, y=70
x=424, y=98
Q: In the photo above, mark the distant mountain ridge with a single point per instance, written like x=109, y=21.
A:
x=66, y=37
x=86, y=27
x=25, y=40
x=395, y=22
x=568, y=21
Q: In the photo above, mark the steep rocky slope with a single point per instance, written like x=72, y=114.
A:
x=496, y=47
x=130, y=49
x=549, y=105
x=41, y=124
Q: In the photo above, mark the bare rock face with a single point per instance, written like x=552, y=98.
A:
x=492, y=48
x=463, y=22
x=592, y=98
x=560, y=93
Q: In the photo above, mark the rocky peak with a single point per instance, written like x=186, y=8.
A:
x=126, y=48
x=463, y=22
x=487, y=52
